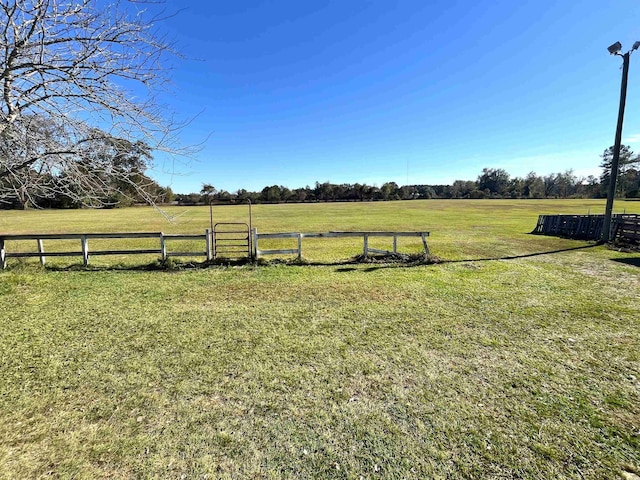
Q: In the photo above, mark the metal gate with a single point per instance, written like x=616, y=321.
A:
x=231, y=240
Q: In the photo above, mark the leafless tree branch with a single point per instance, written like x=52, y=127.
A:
x=77, y=79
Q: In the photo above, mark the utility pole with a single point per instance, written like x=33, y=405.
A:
x=613, y=177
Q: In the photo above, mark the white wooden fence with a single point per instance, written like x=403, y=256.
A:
x=84, y=251
x=367, y=250
x=253, y=250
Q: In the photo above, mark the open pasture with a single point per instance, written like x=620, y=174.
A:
x=517, y=357
x=460, y=229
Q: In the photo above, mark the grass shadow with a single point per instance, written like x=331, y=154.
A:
x=486, y=259
x=525, y=255
x=169, y=265
x=632, y=261
x=344, y=266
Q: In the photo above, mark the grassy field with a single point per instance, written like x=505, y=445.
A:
x=518, y=356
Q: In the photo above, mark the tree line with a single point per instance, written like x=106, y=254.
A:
x=138, y=188
x=491, y=183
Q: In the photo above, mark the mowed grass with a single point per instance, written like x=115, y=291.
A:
x=501, y=362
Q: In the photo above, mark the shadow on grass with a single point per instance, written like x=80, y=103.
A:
x=486, y=259
x=633, y=261
x=344, y=266
x=169, y=265
x=526, y=255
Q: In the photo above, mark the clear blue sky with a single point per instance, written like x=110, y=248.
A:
x=409, y=91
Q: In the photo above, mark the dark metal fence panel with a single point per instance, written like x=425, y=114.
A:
x=587, y=227
x=626, y=230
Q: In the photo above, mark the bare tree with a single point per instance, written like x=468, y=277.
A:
x=207, y=192
x=77, y=76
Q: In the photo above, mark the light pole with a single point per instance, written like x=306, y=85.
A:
x=613, y=177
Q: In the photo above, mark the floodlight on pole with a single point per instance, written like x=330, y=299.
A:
x=615, y=48
x=615, y=161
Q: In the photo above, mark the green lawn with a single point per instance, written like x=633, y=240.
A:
x=525, y=367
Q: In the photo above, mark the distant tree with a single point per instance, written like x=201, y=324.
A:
x=533, y=186
x=550, y=185
x=242, y=195
x=516, y=187
x=324, y=191
x=441, y=191
x=566, y=184
x=271, y=194
x=462, y=188
x=207, y=192
x=166, y=195
x=374, y=192
x=286, y=195
x=537, y=188
x=366, y=192
x=188, y=198
x=301, y=194
x=494, y=180
x=408, y=192
x=389, y=191
x=589, y=187
x=425, y=191
x=628, y=163
x=224, y=196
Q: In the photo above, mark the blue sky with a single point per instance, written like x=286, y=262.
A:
x=290, y=92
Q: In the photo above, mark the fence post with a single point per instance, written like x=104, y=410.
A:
x=214, y=250
x=163, y=247
x=615, y=227
x=395, y=244
x=366, y=245
x=254, y=244
x=85, y=250
x=299, y=246
x=207, y=241
x=424, y=242
x=41, y=252
x=3, y=255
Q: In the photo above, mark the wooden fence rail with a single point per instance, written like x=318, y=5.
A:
x=209, y=252
x=367, y=250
